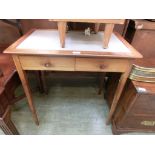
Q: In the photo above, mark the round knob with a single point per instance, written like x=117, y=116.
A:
x=102, y=66
x=47, y=64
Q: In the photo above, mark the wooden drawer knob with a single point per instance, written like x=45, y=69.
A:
x=102, y=66
x=47, y=65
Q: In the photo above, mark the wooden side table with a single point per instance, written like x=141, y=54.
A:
x=109, y=25
x=40, y=50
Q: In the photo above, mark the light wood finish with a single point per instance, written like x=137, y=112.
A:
x=62, y=32
x=72, y=64
x=91, y=61
x=101, y=65
x=97, y=26
x=47, y=63
x=26, y=87
x=107, y=34
x=57, y=52
x=119, y=90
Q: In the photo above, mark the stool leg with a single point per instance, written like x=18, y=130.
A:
x=62, y=32
x=7, y=125
x=107, y=34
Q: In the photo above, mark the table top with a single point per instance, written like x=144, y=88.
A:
x=46, y=42
x=110, y=21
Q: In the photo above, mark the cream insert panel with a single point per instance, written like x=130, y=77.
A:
x=75, y=41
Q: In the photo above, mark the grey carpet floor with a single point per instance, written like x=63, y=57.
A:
x=72, y=107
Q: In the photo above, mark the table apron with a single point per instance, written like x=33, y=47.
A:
x=73, y=64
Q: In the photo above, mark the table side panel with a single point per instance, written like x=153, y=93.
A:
x=73, y=64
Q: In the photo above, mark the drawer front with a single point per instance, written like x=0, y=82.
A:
x=99, y=65
x=47, y=63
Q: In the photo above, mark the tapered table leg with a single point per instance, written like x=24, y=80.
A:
x=107, y=34
x=62, y=32
x=118, y=92
x=26, y=87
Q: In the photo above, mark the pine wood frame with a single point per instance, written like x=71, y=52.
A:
x=112, y=60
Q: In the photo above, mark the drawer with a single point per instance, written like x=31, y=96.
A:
x=99, y=65
x=47, y=63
